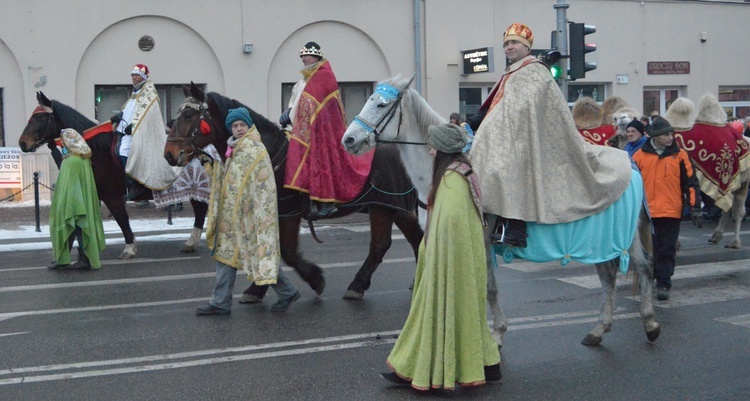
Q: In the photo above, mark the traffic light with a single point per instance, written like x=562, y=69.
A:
x=579, y=48
x=550, y=57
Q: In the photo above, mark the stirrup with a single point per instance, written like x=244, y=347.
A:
x=496, y=238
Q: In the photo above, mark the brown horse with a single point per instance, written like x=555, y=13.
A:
x=44, y=127
x=388, y=197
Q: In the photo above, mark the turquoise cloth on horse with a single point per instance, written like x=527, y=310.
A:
x=594, y=239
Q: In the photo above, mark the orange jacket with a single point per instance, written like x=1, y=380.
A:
x=666, y=179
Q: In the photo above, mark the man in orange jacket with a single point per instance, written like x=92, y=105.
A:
x=668, y=179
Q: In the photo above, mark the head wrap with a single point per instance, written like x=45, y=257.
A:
x=241, y=114
x=447, y=138
x=140, y=69
x=311, y=49
x=519, y=32
x=637, y=125
x=75, y=144
x=659, y=126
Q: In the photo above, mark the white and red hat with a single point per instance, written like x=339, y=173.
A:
x=141, y=70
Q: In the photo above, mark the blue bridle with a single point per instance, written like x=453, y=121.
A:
x=389, y=93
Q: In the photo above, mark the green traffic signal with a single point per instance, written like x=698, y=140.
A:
x=556, y=71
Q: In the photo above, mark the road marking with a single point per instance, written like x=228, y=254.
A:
x=14, y=334
x=248, y=352
x=151, y=279
x=739, y=320
x=698, y=296
x=681, y=272
x=112, y=262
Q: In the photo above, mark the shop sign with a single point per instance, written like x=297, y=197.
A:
x=478, y=60
x=668, y=67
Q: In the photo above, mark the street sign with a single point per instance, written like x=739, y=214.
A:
x=10, y=167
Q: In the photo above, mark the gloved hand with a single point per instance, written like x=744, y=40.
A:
x=129, y=129
x=116, y=118
x=285, y=120
x=696, y=216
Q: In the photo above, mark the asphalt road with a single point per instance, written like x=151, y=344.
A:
x=128, y=332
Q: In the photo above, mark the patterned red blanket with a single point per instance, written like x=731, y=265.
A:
x=599, y=135
x=719, y=155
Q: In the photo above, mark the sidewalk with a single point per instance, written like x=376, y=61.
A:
x=18, y=221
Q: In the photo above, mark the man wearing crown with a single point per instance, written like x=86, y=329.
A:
x=532, y=162
x=141, y=137
x=316, y=163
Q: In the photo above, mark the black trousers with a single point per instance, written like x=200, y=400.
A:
x=666, y=231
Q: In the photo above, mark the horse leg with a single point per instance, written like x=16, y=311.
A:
x=116, y=206
x=499, y=322
x=607, y=272
x=738, y=212
x=200, y=209
x=381, y=224
x=644, y=271
x=289, y=241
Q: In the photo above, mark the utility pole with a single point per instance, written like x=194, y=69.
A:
x=562, y=44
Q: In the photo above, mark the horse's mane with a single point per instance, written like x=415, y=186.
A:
x=69, y=117
x=425, y=114
x=269, y=132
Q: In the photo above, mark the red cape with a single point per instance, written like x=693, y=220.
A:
x=720, y=155
x=317, y=163
x=599, y=135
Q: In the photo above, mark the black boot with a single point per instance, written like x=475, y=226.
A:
x=321, y=210
x=134, y=189
x=492, y=373
x=83, y=262
x=516, y=233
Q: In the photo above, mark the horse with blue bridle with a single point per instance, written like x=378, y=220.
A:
x=396, y=114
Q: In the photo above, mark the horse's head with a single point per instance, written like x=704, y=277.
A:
x=192, y=130
x=380, y=118
x=41, y=128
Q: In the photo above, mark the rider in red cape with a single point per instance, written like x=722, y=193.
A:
x=316, y=163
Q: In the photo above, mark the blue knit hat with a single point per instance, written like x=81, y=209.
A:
x=241, y=114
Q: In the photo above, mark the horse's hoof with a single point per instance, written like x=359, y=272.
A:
x=351, y=294
x=714, y=239
x=320, y=286
x=188, y=249
x=126, y=256
x=591, y=340
x=498, y=337
x=653, y=334
x=733, y=245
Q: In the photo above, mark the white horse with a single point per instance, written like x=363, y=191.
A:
x=404, y=119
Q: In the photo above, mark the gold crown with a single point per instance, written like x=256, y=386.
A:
x=519, y=32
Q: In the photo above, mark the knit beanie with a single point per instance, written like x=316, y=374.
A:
x=637, y=125
x=447, y=138
x=238, y=114
x=659, y=126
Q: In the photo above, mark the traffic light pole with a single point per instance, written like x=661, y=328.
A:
x=562, y=43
